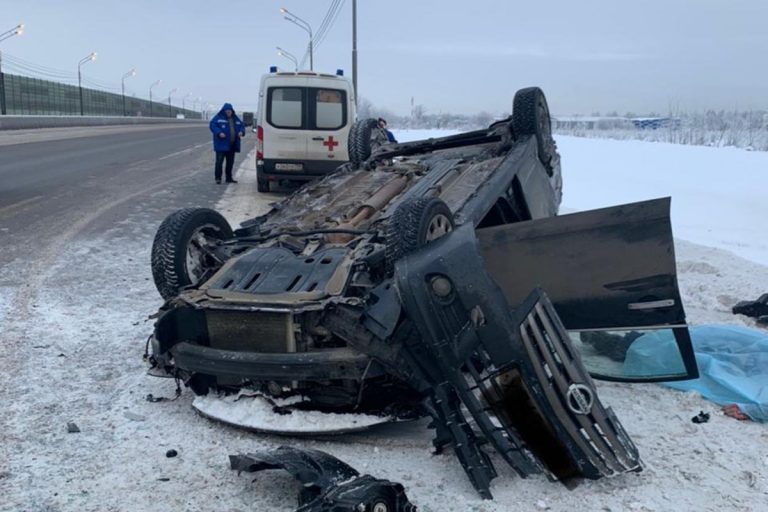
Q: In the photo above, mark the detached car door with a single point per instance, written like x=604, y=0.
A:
x=611, y=276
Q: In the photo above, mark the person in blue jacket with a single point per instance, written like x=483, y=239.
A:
x=390, y=136
x=227, y=130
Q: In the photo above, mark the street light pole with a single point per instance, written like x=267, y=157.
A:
x=170, y=106
x=16, y=31
x=84, y=60
x=354, y=48
x=150, y=95
x=303, y=24
x=130, y=73
x=288, y=56
x=183, y=102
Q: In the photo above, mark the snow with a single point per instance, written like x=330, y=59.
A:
x=411, y=135
x=81, y=340
x=256, y=413
x=718, y=194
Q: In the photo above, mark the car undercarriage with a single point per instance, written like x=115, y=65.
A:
x=432, y=278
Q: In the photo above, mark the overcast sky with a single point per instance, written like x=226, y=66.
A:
x=450, y=56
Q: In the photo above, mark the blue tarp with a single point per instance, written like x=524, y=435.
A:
x=733, y=364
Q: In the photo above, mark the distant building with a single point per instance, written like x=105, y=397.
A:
x=613, y=122
x=654, y=123
x=590, y=122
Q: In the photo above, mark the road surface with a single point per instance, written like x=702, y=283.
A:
x=52, y=190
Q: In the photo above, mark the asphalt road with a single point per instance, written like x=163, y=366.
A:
x=54, y=190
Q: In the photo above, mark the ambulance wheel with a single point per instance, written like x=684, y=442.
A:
x=262, y=183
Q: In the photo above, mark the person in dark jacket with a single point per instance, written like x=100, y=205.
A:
x=227, y=130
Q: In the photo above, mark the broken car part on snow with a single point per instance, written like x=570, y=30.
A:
x=757, y=309
x=413, y=283
x=327, y=484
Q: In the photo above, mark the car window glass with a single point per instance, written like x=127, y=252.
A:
x=286, y=107
x=630, y=355
x=329, y=109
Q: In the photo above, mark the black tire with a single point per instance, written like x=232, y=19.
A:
x=530, y=116
x=383, y=503
x=359, y=140
x=415, y=223
x=262, y=184
x=174, y=239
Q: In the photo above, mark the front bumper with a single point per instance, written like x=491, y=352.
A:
x=234, y=345
x=329, y=364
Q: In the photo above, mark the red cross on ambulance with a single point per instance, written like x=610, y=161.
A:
x=330, y=143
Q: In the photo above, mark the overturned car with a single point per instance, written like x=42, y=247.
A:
x=434, y=277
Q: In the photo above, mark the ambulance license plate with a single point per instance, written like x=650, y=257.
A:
x=289, y=167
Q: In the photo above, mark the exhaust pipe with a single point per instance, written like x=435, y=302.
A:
x=364, y=212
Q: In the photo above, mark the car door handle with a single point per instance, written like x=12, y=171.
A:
x=317, y=138
x=654, y=304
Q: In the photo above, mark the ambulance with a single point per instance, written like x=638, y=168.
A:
x=302, y=127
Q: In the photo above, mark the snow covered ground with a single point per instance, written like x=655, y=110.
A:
x=84, y=329
x=718, y=194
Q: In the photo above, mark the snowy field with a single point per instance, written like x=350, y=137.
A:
x=718, y=194
x=84, y=334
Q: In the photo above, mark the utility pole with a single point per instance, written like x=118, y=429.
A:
x=354, y=48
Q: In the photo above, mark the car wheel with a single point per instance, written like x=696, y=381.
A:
x=415, y=223
x=262, y=184
x=382, y=505
x=359, y=141
x=180, y=251
x=530, y=116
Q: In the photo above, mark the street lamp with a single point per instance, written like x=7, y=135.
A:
x=183, y=103
x=150, y=95
x=288, y=56
x=170, y=109
x=303, y=24
x=354, y=48
x=130, y=73
x=84, y=60
x=15, y=31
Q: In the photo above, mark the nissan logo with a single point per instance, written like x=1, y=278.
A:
x=580, y=398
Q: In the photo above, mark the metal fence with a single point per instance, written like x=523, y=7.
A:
x=21, y=95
